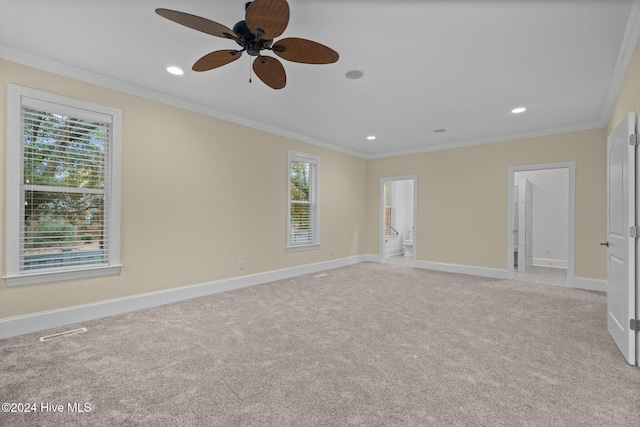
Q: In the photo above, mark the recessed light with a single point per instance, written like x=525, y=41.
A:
x=354, y=74
x=175, y=71
x=371, y=137
x=518, y=110
x=439, y=130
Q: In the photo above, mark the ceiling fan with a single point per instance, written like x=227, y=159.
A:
x=264, y=21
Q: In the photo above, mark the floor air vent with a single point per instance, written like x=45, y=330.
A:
x=63, y=334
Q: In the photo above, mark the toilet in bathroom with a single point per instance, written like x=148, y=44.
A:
x=408, y=244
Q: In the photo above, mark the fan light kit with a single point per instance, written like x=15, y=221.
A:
x=264, y=21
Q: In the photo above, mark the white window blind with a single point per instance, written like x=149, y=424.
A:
x=303, y=227
x=63, y=214
x=63, y=201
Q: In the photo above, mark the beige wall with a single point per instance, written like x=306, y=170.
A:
x=462, y=192
x=198, y=195
x=462, y=198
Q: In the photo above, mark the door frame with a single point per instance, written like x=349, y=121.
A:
x=571, y=238
x=384, y=179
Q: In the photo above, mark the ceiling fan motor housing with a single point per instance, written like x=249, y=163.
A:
x=252, y=44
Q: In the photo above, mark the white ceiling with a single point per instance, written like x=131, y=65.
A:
x=449, y=64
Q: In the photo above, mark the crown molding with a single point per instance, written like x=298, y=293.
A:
x=627, y=49
x=511, y=137
x=630, y=40
x=163, y=98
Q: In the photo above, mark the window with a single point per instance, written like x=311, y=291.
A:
x=63, y=203
x=302, y=212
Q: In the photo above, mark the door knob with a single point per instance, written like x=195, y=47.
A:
x=604, y=244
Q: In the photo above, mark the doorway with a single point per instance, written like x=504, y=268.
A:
x=398, y=210
x=541, y=234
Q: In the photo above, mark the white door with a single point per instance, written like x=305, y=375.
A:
x=528, y=224
x=516, y=227
x=621, y=162
x=523, y=196
x=523, y=255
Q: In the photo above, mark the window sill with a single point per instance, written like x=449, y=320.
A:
x=299, y=248
x=57, y=276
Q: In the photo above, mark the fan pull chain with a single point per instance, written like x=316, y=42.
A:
x=249, y=70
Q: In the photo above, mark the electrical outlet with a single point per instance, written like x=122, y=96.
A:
x=331, y=252
x=240, y=265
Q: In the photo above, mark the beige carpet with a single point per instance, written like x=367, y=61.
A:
x=369, y=344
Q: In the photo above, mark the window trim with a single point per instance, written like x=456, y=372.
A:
x=315, y=202
x=14, y=174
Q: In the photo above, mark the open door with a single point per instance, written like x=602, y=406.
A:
x=621, y=241
x=398, y=219
x=524, y=225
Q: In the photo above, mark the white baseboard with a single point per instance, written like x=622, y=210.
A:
x=35, y=322
x=394, y=252
x=494, y=273
x=583, y=283
x=373, y=258
x=590, y=284
x=548, y=262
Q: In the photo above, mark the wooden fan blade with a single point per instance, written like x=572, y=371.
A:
x=270, y=71
x=268, y=18
x=216, y=59
x=304, y=51
x=197, y=23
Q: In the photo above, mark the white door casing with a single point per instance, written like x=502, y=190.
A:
x=571, y=214
x=621, y=248
x=413, y=178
